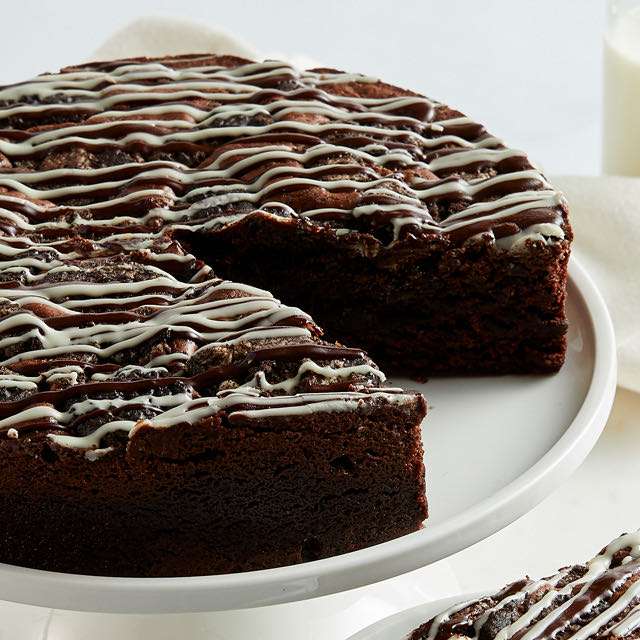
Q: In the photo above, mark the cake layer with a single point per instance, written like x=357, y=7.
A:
x=223, y=493
x=599, y=600
x=433, y=311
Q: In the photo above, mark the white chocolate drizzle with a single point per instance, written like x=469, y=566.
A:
x=272, y=129
x=127, y=155
x=601, y=600
x=69, y=318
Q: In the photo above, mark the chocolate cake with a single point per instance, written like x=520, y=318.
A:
x=162, y=414
x=159, y=421
x=599, y=600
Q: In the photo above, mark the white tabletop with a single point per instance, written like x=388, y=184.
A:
x=531, y=71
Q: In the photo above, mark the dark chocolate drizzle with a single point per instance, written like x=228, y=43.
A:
x=363, y=141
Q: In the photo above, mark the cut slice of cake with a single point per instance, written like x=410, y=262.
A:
x=158, y=421
x=599, y=600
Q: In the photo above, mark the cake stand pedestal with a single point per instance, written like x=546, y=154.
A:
x=333, y=617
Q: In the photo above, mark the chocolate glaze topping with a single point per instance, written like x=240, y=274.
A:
x=201, y=143
x=97, y=338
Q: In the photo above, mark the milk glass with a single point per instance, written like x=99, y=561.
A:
x=621, y=127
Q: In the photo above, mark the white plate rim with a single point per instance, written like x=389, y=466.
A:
x=359, y=568
x=399, y=625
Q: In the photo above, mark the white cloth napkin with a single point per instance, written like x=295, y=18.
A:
x=605, y=215
x=154, y=36
x=605, y=211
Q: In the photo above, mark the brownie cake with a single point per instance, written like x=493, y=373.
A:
x=599, y=600
x=159, y=421
x=146, y=397
x=295, y=181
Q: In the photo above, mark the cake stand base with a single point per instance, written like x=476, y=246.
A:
x=334, y=617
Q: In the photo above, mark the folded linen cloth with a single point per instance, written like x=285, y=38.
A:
x=605, y=215
x=605, y=211
x=155, y=36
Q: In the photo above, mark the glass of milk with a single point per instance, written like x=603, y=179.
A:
x=621, y=130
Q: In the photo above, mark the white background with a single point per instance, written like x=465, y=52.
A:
x=529, y=69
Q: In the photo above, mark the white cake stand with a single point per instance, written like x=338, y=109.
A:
x=495, y=448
